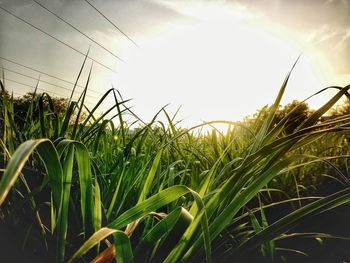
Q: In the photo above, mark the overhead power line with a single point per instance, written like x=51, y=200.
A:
x=113, y=24
x=75, y=28
x=46, y=82
x=16, y=93
x=41, y=89
x=44, y=73
x=58, y=40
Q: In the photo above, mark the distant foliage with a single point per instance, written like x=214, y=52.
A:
x=54, y=105
x=295, y=113
x=298, y=113
x=60, y=104
x=32, y=103
x=341, y=109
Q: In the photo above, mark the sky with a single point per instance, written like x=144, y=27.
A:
x=215, y=60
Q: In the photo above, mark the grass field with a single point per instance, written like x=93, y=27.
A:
x=76, y=188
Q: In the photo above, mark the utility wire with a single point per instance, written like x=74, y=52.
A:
x=19, y=94
x=98, y=11
x=75, y=28
x=55, y=38
x=16, y=93
x=43, y=81
x=44, y=73
x=45, y=90
x=41, y=89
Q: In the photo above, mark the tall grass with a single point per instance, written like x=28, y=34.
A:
x=160, y=193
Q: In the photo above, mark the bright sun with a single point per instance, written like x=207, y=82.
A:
x=220, y=65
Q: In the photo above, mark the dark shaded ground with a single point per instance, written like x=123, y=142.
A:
x=336, y=222
x=10, y=248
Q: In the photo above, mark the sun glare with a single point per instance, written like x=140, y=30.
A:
x=220, y=65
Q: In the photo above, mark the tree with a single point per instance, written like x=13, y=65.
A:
x=36, y=102
x=340, y=110
x=29, y=115
x=296, y=113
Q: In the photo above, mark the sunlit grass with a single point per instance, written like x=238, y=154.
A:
x=160, y=193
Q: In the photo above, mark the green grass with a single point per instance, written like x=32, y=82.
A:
x=158, y=192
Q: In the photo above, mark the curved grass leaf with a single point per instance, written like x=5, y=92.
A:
x=122, y=247
x=19, y=158
x=145, y=207
x=159, y=241
x=287, y=222
x=91, y=242
x=150, y=177
x=85, y=180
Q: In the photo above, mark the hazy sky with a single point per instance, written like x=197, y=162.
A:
x=218, y=59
